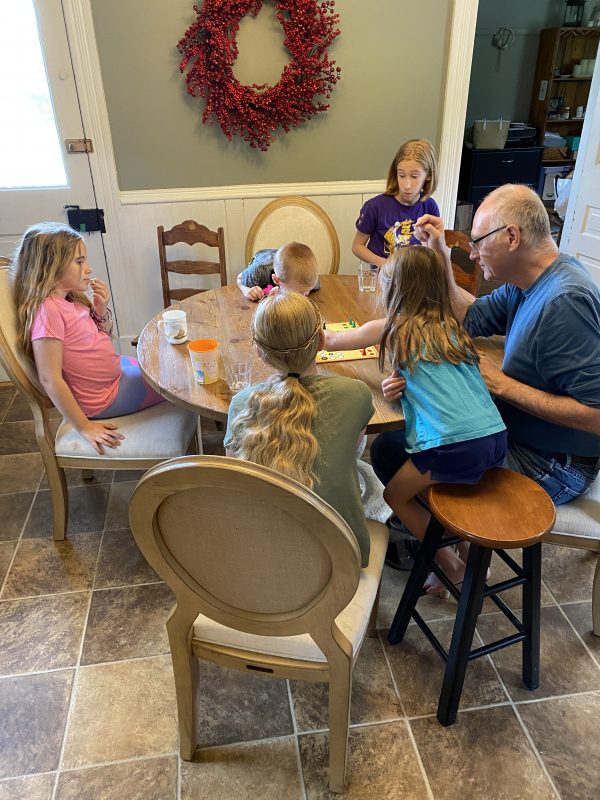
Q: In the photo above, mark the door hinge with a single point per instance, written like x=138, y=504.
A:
x=79, y=145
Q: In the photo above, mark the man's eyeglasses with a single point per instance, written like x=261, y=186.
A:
x=475, y=242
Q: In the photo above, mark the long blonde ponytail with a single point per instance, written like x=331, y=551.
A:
x=276, y=427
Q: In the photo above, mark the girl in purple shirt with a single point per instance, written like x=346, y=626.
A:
x=386, y=222
x=68, y=335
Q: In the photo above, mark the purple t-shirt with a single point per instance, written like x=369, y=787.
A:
x=389, y=223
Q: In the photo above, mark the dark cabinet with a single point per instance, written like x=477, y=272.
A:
x=484, y=170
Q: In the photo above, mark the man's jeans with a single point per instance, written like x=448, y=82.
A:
x=557, y=475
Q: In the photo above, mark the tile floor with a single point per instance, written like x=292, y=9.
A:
x=87, y=707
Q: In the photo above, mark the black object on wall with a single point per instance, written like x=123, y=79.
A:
x=86, y=220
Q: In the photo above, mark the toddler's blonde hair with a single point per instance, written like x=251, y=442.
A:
x=296, y=262
x=43, y=254
x=275, y=428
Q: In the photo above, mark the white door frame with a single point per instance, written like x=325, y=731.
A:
x=86, y=64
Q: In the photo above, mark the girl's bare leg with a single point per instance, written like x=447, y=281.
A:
x=400, y=494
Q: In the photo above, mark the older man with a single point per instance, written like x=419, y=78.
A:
x=548, y=390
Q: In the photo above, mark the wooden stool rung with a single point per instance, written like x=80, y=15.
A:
x=434, y=641
x=510, y=562
x=503, y=586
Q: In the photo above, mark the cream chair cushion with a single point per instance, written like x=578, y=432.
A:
x=352, y=621
x=580, y=517
x=162, y=431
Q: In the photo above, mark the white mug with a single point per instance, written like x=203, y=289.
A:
x=173, y=326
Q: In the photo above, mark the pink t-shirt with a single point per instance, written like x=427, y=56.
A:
x=90, y=367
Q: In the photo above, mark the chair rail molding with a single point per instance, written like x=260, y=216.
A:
x=248, y=191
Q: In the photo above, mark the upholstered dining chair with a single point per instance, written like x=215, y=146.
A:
x=468, y=278
x=152, y=435
x=295, y=219
x=275, y=589
x=578, y=525
x=189, y=232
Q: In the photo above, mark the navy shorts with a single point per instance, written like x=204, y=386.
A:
x=462, y=462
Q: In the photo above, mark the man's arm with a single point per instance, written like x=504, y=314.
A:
x=429, y=230
x=559, y=409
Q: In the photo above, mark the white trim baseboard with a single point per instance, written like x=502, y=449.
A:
x=246, y=191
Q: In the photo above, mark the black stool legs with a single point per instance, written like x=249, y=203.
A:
x=469, y=607
x=416, y=579
x=532, y=568
x=470, y=602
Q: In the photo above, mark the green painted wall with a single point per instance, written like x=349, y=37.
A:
x=392, y=54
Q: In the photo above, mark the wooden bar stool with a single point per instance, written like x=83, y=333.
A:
x=504, y=511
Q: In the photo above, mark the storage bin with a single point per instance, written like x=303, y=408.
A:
x=490, y=134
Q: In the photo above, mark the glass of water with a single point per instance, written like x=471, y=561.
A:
x=367, y=277
x=239, y=375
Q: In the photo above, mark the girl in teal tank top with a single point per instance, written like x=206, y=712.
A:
x=454, y=432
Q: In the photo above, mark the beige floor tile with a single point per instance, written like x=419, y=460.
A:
x=142, y=779
x=20, y=473
x=565, y=666
x=121, y=711
x=566, y=731
x=485, y=754
x=580, y=617
x=17, y=437
x=117, y=515
x=43, y=566
x=266, y=770
x=34, y=787
x=128, y=622
x=87, y=511
x=419, y=671
x=373, y=696
x=33, y=710
x=41, y=633
x=121, y=562
x=568, y=573
x=236, y=706
x=13, y=512
x=75, y=478
x=382, y=765
x=6, y=553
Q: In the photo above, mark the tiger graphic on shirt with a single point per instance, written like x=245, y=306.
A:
x=398, y=236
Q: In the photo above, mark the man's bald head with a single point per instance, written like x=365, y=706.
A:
x=519, y=205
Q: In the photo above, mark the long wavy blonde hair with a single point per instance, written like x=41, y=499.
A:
x=43, y=254
x=275, y=428
x=420, y=324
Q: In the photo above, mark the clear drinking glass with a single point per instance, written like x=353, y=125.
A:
x=367, y=277
x=239, y=375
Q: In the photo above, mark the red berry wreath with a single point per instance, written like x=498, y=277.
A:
x=209, y=49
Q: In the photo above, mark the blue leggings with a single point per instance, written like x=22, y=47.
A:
x=562, y=481
x=133, y=394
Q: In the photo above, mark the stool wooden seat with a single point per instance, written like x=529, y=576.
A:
x=505, y=510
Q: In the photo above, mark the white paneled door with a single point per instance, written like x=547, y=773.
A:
x=39, y=113
x=581, y=237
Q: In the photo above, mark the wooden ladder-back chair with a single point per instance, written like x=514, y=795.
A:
x=189, y=232
x=267, y=579
x=151, y=436
x=466, y=280
x=295, y=219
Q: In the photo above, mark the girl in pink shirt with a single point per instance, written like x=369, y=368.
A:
x=68, y=336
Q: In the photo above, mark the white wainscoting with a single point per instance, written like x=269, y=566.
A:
x=137, y=291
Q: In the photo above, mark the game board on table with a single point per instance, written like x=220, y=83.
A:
x=344, y=355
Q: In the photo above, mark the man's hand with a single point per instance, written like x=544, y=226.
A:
x=494, y=378
x=429, y=230
x=393, y=387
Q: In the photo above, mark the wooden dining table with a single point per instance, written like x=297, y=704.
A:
x=224, y=314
